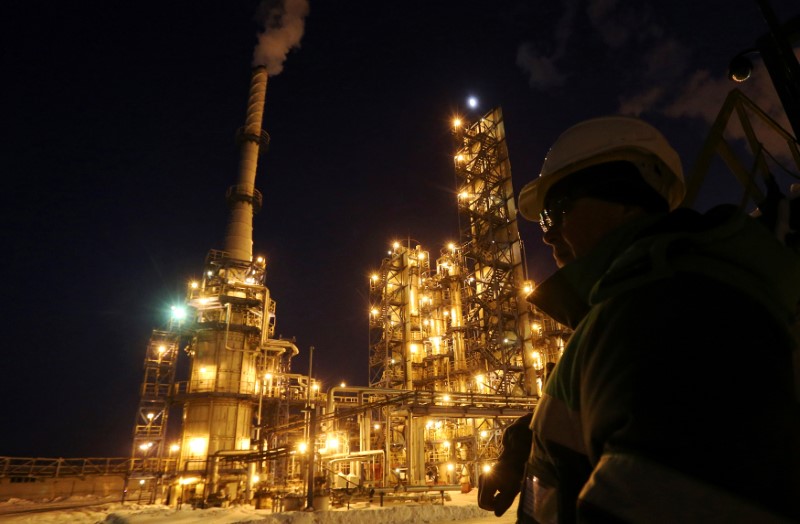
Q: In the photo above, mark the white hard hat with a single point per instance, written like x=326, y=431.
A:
x=607, y=139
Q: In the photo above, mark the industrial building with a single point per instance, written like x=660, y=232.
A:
x=456, y=353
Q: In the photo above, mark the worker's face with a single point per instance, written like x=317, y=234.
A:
x=579, y=224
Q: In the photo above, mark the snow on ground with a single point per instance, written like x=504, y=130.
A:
x=462, y=507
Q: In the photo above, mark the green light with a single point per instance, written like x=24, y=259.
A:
x=178, y=312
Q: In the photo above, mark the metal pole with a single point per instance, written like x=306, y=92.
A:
x=312, y=436
x=782, y=65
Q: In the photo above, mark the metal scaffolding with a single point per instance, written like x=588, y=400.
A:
x=458, y=328
x=496, y=314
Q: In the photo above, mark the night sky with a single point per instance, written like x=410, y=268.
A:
x=118, y=145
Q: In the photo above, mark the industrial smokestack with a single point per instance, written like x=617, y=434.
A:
x=243, y=198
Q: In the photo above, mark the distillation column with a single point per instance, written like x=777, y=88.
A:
x=234, y=318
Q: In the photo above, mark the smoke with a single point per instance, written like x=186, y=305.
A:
x=543, y=73
x=284, y=23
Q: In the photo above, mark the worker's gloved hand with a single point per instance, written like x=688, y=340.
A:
x=498, y=488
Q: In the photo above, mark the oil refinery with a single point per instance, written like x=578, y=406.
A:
x=456, y=353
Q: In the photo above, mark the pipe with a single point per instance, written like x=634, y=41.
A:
x=364, y=389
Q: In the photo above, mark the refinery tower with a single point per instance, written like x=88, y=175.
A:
x=238, y=380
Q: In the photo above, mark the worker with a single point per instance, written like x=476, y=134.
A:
x=655, y=412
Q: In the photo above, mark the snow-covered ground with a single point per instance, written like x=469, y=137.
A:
x=462, y=507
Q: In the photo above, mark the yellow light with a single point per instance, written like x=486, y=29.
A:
x=374, y=277
x=446, y=398
x=373, y=311
x=422, y=256
x=536, y=327
x=194, y=285
x=302, y=447
x=451, y=246
x=484, y=434
x=463, y=195
x=376, y=427
x=456, y=122
x=202, y=370
x=413, y=348
x=487, y=468
x=175, y=447
x=268, y=376
x=459, y=158
x=315, y=387
x=450, y=467
x=342, y=385
x=198, y=445
x=162, y=349
x=396, y=245
x=479, y=379
x=141, y=482
x=429, y=424
x=446, y=443
x=184, y=481
x=255, y=479
x=332, y=443
x=528, y=288
x=260, y=260
x=150, y=416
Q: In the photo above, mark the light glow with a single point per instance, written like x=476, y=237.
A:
x=178, y=312
x=198, y=445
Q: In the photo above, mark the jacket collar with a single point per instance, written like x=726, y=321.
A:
x=565, y=295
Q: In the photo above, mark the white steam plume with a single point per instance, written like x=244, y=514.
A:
x=284, y=23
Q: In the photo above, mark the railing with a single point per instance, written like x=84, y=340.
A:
x=62, y=467
x=44, y=467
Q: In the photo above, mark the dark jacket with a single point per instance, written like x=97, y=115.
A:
x=675, y=399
